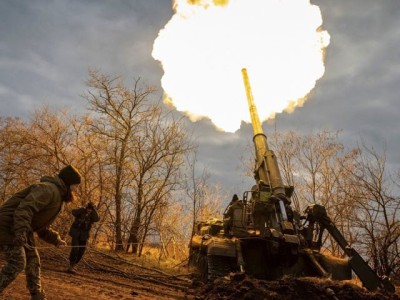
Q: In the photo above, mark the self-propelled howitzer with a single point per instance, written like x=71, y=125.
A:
x=263, y=236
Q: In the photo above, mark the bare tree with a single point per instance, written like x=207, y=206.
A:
x=171, y=225
x=120, y=110
x=159, y=156
x=50, y=138
x=12, y=136
x=34, y=148
x=377, y=212
x=195, y=187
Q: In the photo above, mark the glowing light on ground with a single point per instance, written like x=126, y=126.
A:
x=206, y=43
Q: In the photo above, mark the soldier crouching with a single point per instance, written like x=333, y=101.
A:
x=33, y=210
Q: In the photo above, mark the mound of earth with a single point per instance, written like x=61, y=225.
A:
x=240, y=286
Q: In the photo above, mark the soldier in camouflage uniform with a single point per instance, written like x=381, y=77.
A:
x=33, y=210
x=228, y=216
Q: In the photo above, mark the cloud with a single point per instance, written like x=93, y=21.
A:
x=47, y=47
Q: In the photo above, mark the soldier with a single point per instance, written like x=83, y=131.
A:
x=80, y=229
x=33, y=210
x=228, y=216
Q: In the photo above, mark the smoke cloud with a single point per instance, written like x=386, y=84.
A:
x=206, y=43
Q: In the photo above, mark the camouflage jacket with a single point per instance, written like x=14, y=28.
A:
x=33, y=210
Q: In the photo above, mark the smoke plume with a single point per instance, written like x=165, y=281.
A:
x=206, y=43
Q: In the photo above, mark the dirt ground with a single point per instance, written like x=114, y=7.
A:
x=101, y=276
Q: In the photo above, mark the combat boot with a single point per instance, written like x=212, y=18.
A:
x=71, y=269
x=39, y=296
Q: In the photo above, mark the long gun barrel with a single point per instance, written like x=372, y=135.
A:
x=266, y=168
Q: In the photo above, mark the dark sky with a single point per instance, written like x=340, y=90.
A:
x=47, y=46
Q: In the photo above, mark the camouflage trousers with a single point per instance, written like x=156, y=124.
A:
x=18, y=259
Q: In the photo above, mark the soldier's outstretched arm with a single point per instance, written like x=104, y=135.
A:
x=50, y=236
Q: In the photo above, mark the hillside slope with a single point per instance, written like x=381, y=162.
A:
x=102, y=276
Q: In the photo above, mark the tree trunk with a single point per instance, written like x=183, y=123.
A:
x=118, y=230
x=133, y=240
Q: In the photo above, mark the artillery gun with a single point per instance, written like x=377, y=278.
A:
x=264, y=237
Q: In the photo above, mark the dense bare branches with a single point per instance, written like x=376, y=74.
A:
x=144, y=150
x=378, y=217
x=119, y=111
x=31, y=149
x=159, y=157
x=12, y=136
